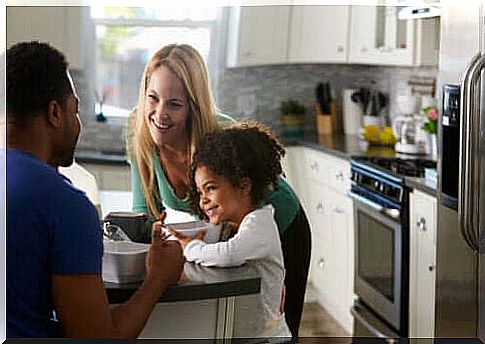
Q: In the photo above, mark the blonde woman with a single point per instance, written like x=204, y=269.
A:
x=175, y=110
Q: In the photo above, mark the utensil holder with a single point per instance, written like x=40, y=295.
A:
x=327, y=123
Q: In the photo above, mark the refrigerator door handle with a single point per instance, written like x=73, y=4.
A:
x=469, y=151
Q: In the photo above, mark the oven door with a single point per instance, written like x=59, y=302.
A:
x=379, y=264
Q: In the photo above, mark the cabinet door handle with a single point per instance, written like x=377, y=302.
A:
x=339, y=175
x=421, y=223
x=431, y=267
x=340, y=48
x=314, y=166
x=320, y=208
x=321, y=263
x=338, y=210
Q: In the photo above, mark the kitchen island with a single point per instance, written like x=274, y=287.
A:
x=207, y=303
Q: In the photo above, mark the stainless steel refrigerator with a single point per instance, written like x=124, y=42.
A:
x=460, y=272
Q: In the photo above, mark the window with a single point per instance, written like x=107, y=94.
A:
x=126, y=38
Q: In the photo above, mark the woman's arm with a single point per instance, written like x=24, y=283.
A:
x=139, y=201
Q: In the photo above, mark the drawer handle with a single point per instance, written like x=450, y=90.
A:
x=321, y=263
x=314, y=166
x=421, y=223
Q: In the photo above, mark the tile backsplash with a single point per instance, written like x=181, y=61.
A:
x=272, y=84
x=256, y=93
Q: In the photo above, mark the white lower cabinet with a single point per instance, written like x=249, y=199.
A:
x=422, y=272
x=322, y=184
x=332, y=263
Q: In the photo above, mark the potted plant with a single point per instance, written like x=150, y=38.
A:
x=292, y=113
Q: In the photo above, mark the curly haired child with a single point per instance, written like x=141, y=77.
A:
x=232, y=173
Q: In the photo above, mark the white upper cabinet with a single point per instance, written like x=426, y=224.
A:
x=318, y=34
x=377, y=36
x=257, y=35
x=60, y=26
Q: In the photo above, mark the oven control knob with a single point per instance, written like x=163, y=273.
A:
x=376, y=185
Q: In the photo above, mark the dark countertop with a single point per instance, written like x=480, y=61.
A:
x=197, y=283
x=100, y=157
x=342, y=146
x=346, y=146
x=422, y=184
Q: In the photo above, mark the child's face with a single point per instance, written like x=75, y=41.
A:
x=219, y=199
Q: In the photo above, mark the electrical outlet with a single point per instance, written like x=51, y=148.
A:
x=246, y=105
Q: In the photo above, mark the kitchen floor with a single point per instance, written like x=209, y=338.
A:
x=316, y=322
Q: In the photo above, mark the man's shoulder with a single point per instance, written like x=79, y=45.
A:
x=26, y=172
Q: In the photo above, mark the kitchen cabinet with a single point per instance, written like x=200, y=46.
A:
x=60, y=26
x=115, y=177
x=326, y=180
x=378, y=37
x=318, y=34
x=422, y=274
x=257, y=35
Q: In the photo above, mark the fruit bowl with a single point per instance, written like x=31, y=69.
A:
x=378, y=137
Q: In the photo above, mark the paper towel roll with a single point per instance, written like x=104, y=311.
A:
x=352, y=113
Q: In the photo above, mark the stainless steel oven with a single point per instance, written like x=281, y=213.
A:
x=381, y=245
x=381, y=215
x=381, y=270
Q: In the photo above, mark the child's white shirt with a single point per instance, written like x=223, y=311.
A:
x=257, y=243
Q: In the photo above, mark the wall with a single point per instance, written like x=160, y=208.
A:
x=272, y=84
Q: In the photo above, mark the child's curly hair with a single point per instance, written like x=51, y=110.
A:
x=242, y=150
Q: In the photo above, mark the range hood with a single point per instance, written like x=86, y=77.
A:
x=419, y=11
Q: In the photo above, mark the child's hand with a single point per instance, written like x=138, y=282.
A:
x=184, y=239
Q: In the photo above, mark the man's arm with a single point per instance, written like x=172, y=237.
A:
x=82, y=305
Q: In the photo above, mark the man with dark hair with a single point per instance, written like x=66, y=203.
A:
x=54, y=236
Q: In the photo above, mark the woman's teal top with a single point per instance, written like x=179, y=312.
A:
x=284, y=200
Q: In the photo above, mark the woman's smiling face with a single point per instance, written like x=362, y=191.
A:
x=166, y=107
x=219, y=199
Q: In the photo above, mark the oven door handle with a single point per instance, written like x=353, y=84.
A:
x=366, y=201
x=390, y=212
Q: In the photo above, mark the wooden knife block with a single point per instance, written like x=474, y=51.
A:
x=327, y=124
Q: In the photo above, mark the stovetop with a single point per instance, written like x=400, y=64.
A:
x=413, y=167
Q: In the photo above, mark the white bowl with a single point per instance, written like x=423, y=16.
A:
x=193, y=227
x=124, y=261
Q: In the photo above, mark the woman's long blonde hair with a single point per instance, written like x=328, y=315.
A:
x=187, y=64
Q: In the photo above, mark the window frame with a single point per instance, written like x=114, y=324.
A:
x=215, y=44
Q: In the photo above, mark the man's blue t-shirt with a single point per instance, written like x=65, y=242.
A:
x=52, y=229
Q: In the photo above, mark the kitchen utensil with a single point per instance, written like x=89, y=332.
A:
x=114, y=232
x=410, y=137
x=193, y=227
x=133, y=224
x=352, y=113
x=124, y=261
x=323, y=99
